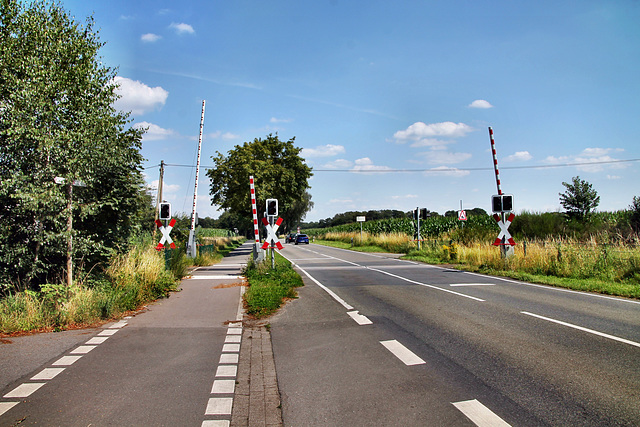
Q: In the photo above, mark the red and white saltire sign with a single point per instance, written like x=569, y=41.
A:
x=165, y=234
x=272, y=236
x=462, y=216
x=504, y=233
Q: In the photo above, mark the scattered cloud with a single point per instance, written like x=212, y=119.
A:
x=182, y=28
x=166, y=188
x=447, y=171
x=434, y=144
x=328, y=150
x=595, y=156
x=445, y=157
x=519, y=156
x=219, y=135
x=275, y=120
x=614, y=177
x=339, y=164
x=154, y=132
x=137, y=97
x=420, y=130
x=365, y=164
x=150, y=38
x=480, y=103
x=406, y=196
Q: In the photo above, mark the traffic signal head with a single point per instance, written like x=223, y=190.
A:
x=165, y=210
x=272, y=207
x=502, y=203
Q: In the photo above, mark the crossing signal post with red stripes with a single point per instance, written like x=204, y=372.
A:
x=501, y=205
x=258, y=254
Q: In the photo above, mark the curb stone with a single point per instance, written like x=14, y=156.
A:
x=257, y=400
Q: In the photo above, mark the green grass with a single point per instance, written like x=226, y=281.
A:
x=269, y=288
x=358, y=248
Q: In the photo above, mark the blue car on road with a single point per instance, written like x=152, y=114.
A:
x=302, y=238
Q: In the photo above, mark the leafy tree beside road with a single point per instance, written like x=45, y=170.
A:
x=580, y=199
x=71, y=188
x=279, y=172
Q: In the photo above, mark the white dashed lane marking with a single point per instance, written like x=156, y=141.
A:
x=407, y=357
x=480, y=414
x=24, y=390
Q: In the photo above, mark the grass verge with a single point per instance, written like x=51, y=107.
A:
x=269, y=288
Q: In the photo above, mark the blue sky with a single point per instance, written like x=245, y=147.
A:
x=369, y=88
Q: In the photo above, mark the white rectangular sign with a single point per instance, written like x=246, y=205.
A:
x=360, y=219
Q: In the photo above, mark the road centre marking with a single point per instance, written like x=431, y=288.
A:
x=425, y=284
x=583, y=329
x=359, y=318
x=480, y=414
x=408, y=357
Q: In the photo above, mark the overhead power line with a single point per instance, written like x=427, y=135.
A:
x=558, y=165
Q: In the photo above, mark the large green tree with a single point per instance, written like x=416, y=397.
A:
x=71, y=188
x=579, y=199
x=279, y=173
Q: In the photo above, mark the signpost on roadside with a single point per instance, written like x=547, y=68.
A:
x=361, y=219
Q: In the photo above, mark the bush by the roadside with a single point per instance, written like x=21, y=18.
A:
x=269, y=287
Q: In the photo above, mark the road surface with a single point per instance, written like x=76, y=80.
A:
x=374, y=340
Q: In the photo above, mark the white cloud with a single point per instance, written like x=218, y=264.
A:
x=150, y=37
x=480, y=103
x=154, y=132
x=328, y=150
x=276, y=120
x=406, y=196
x=614, y=177
x=445, y=157
x=365, y=164
x=435, y=144
x=446, y=171
x=519, y=156
x=219, y=135
x=137, y=97
x=594, y=159
x=339, y=164
x=182, y=28
x=166, y=188
x=420, y=130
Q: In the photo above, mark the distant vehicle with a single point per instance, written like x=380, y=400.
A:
x=302, y=238
x=290, y=238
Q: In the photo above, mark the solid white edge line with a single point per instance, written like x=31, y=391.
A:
x=408, y=357
x=327, y=290
x=583, y=329
x=480, y=414
x=425, y=284
x=553, y=288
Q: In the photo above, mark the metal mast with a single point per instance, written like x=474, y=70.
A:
x=192, y=250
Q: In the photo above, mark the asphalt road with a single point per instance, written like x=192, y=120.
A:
x=373, y=340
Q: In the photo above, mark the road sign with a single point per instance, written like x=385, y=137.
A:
x=462, y=215
x=361, y=219
x=271, y=234
x=165, y=234
x=504, y=232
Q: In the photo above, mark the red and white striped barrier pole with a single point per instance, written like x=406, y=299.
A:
x=255, y=210
x=495, y=161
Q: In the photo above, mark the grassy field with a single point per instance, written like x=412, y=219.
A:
x=612, y=269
